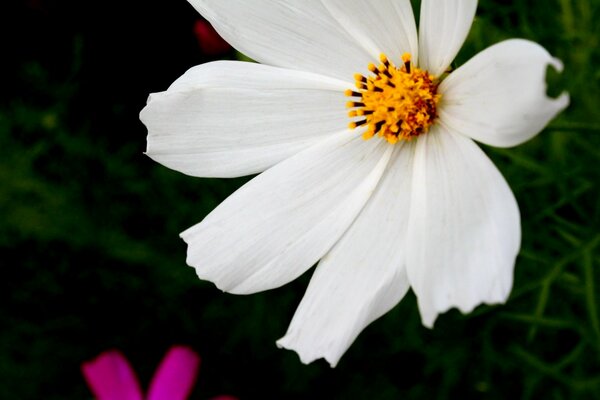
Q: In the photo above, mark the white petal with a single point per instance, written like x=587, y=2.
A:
x=464, y=227
x=443, y=28
x=362, y=277
x=248, y=75
x=282, y=222
x=297, y=34
x=499, y=96
x=385, y=27
x=226, y=119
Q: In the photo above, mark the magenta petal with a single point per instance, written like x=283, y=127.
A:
x=110, y=377
x=176, y=375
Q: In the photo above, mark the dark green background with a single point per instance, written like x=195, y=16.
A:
x=91, y=259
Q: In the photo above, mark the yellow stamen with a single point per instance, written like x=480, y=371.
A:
x=396, y=103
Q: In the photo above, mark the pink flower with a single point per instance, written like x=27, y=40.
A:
x=209, y=40
x=110, y=376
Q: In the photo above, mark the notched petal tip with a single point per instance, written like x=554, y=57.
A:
x=429, y=313
x=143, y=115
x=428, y=318
x=561, y=102
x=499, y=97
x=306, y=355
x=226, y=284
x=563, y=99
x=557, y=64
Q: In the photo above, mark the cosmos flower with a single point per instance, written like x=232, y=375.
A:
x=110, y=377
x=366, y=140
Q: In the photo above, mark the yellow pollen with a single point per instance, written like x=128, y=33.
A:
x=395, y=103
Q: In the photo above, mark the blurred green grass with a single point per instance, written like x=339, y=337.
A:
x=92, y=258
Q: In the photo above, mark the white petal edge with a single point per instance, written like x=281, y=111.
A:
x=464, y=227
x=296, y=34
x=386, y=27
x=443, y=28
x=499, y=96
x=363, y=276
x=227, y=119
x=283, y=221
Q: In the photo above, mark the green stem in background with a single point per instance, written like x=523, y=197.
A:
x=590, y=295
x=575, y=126
x=568, y=18
x=539, y=309
x=554, y=370
x=554, y=273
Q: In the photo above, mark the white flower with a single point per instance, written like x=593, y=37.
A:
x=431, y=213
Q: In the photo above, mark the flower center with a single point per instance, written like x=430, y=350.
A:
x=395, y=103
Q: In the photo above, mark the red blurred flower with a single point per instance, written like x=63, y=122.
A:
x=209, y=40
x=110, y=376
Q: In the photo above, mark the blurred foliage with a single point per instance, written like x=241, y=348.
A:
x=92, y=259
